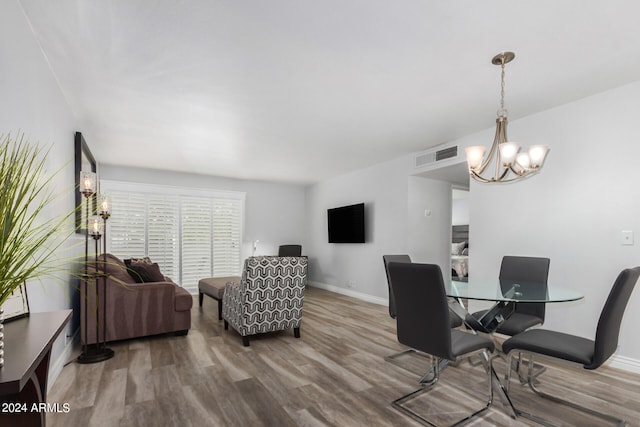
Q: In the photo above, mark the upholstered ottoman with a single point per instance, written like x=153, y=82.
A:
x=214, y=287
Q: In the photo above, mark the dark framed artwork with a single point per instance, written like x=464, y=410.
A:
x=84, y=162
x=17, y=305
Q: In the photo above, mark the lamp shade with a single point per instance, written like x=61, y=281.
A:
x=87, y=182
x=508, y=152
x=537, y=154
x=524, y=161
x=95, y=226
x=104, y=204
x=474, y=156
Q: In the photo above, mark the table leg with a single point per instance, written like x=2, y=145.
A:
x=25, y=409
x=475, y=325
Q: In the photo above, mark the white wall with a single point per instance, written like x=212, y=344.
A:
x=389, y=196
x=429, y=222
x=572, y=212
x=274, y=213
x=33, y=103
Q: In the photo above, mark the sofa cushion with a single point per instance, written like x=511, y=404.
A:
x=143, y=272
x=183, y=299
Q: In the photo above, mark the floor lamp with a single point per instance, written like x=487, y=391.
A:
x=98, y=351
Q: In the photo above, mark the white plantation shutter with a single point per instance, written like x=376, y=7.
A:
x=227, y=229
x=197, y=251
x=163, y=233
x=127, y=225
x=190, y=233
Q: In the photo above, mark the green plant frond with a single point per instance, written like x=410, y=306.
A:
x=29, y=236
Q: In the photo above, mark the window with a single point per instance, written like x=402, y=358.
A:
x=197, y=236
x=190, y=233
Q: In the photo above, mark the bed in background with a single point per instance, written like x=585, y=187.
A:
x=460, y=252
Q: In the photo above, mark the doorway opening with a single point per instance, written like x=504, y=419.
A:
x=459, y=235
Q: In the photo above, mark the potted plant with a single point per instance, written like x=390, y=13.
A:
x=29, y=229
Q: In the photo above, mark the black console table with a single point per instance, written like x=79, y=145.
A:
x=23, y=379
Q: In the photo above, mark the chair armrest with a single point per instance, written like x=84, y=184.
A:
x=232, y=295
x=232, y=304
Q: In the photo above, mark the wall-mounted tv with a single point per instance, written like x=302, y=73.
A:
x=346, y=224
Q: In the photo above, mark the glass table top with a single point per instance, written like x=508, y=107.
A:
x=519, y=292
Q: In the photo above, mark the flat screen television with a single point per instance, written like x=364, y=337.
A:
x=346, y=224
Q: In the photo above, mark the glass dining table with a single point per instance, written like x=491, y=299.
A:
x=504, y=295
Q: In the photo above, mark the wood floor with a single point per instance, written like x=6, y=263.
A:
x=334, y=375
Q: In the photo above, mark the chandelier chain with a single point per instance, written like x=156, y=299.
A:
x=502, y=110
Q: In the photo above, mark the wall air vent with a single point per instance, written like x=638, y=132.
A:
x=432, y=157
x=447, y=153
x=425, y=159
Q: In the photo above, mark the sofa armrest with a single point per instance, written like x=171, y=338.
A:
x=141, y=309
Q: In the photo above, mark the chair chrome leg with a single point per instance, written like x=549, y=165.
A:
x=619, y=422
x=531, y=376
x=435, y=367
x=426, y=386
x=540, y=369
x=507, y=376
x=393, y=358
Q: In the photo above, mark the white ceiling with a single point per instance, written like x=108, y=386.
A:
x=303, y=90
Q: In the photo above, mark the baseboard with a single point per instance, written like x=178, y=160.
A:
x=56, y=367
x=350, y=293
x=625, y=363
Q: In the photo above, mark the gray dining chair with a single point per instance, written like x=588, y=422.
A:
x=525, y=271
x=386, y=259
x=424, y=324
x=591, y=354
x=290, y=250
x=455, y=320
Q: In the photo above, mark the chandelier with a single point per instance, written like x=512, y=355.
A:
x=509, y=162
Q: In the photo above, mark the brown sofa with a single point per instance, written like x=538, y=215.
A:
x=133, y=309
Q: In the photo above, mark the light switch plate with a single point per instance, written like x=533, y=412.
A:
x=626, y=237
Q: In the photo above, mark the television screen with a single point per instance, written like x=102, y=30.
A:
x=346, y=224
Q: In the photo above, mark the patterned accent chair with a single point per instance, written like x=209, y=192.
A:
x=268, y=297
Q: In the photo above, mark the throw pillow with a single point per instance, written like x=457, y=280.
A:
x=456, y=248
x=144, y=260
x=143, y=272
